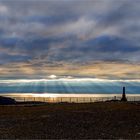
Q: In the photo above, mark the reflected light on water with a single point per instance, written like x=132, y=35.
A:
x=66, y=80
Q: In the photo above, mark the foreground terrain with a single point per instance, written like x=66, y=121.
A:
x=95, y=120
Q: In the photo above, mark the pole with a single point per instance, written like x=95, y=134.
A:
x=77, y=99
x=90, y=100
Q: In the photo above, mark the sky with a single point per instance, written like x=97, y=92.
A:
x=84, y=38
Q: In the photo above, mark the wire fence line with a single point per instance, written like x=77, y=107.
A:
x=72, y=99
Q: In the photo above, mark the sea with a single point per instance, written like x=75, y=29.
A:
x=69, y=88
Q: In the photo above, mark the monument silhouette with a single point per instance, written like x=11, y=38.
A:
x=124, y=95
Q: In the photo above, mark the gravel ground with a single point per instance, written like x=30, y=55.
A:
x=111, y=120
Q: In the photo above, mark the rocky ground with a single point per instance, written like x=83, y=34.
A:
x=96, y=120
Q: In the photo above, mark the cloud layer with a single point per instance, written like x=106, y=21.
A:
x=39, y=38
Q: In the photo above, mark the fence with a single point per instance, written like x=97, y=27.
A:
x=73, y=99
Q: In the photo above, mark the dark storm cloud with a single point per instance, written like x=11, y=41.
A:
x=102, y=48
x=6, y=58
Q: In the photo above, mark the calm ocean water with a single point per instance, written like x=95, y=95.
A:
x=69, y=86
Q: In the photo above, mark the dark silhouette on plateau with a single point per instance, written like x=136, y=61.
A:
x=6, y=101
x=124, y=99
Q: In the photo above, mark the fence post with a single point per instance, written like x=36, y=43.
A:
x=90, y=99
x=77, y=99
x=83, y=99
